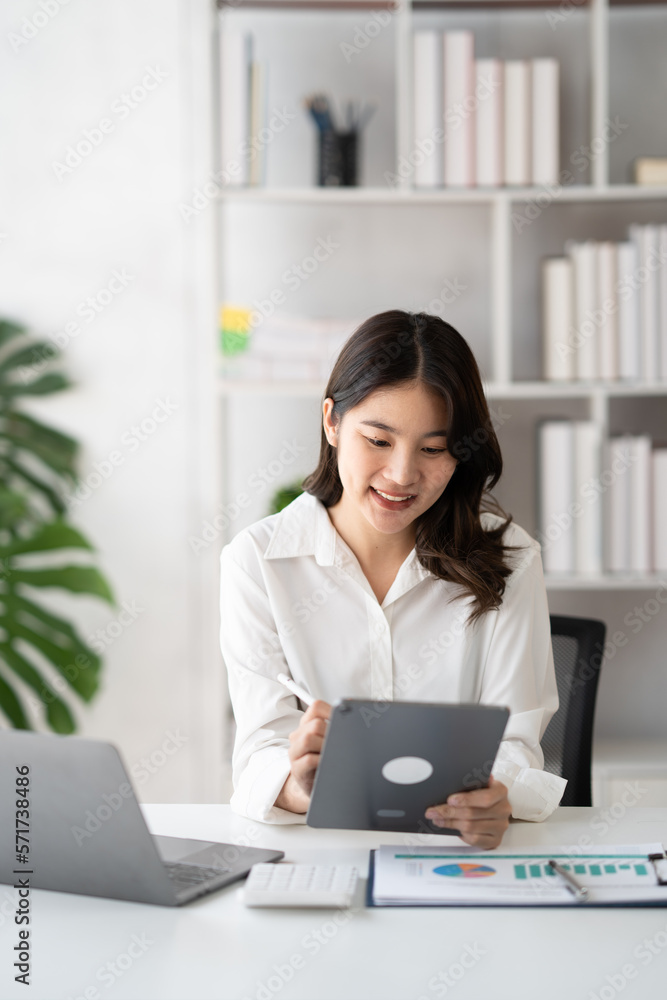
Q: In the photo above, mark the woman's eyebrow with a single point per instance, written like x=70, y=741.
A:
x=391, y=430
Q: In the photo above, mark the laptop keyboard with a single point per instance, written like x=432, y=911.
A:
x=184, y=876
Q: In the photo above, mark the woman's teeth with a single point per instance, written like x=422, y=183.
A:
x=395, y=499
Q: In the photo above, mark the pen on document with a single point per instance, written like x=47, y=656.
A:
x=306, y=698
x=580, y=892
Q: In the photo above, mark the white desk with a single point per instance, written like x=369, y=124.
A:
x=217, y=948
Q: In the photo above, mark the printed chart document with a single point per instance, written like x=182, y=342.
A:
x=436, y=876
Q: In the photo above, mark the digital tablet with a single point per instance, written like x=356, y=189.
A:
x=384, y=763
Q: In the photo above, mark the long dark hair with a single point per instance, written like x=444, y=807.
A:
x=396, y=347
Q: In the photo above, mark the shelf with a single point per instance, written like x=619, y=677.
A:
x=472, y=195
x=510, y=390
x=605, y=582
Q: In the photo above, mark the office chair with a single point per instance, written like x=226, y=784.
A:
x=578, y=645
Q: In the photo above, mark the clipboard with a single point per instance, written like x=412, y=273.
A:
x=656, y=861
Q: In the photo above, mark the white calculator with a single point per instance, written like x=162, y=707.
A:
x=300, y=885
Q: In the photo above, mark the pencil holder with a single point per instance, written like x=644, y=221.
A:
x=337, y=158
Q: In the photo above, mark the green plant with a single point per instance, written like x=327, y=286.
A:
x=37, y=467
x=283, y=496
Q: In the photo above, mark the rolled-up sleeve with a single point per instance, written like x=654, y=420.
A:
x=265, y=712
x=519, y=673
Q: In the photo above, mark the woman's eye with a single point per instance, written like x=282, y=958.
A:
x=377, y=442
x=435, y=451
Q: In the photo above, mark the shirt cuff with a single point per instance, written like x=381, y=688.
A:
x=259, y=787
x=533, y=794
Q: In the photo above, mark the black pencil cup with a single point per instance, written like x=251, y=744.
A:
x=337, y=160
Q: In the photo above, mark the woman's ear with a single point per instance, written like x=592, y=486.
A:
x=330, y=428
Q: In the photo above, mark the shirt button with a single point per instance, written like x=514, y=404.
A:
x=380, y=628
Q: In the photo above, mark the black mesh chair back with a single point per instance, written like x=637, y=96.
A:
x=578, y=645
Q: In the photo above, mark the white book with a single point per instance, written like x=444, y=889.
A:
x=629, y=342
x=489, y=132
x=662, y=296
x=646, y=238
x=659, y=512
x=607, y=304
x=459, y=108
x=545, y=112
x=556, y=495
x=557, y=318
x=257, y=157
x=585, y=332
x=588, y=512
x=235, y=59
x=517, y=122
x=617, y=470
x=640, y=504
x=428, y=119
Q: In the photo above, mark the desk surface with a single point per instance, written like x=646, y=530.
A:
x=217, y=948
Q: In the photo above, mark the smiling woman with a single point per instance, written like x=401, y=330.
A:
x=429, y=592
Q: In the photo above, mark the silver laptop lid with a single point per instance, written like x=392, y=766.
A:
x=86, y=832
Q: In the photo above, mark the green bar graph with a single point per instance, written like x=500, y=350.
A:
x=535, y=871
x=519, y=871
x=640, y=869
x=610, y=869
x=580, y=869
x=595, y=869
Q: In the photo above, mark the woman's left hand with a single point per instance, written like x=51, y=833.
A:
x=480, y=816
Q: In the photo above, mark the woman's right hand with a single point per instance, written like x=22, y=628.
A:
x=304, y=753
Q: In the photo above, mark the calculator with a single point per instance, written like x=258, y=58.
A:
x=300, y=885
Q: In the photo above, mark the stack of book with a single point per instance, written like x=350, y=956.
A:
x=242, y=111
x=604, y=308
x=601, y=505
x=280, y=347
x=484, y=122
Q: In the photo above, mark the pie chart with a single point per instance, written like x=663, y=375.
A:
x=465, y=871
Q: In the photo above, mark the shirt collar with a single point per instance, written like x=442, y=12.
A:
x=304, y=528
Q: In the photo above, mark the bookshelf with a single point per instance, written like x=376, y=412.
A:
x=398, y=242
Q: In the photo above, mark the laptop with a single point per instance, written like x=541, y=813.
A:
x=85, y=832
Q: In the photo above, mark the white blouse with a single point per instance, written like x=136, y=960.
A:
x=295, y=600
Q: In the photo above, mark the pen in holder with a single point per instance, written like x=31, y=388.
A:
x=338, y=149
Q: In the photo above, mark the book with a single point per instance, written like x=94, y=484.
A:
x=629, y=345
x=489, y=130
x=428, y=111
x=517, y=116
x=587, y=439
x=646, y=240
x=651, y=170
x=586, y=331
x=558, y=355
x=235, y=61
x=556, y=495
x=617, y=466
x=640, y=504
x=662, y=297
x=659, y=509
x=459, y=108
x=607, y=310
x=545, y=110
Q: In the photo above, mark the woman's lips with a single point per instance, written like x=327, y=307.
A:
x=392, y=504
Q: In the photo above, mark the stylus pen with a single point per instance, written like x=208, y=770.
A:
x=580, y=892
x=306, y=698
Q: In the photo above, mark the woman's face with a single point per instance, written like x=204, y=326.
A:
x=392, y=443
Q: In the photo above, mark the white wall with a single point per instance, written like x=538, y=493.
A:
x=64, y=237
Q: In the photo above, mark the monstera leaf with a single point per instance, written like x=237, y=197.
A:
x=38, y=649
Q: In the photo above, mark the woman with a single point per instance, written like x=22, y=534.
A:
x=394, y=576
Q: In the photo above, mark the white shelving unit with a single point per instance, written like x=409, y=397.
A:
x=398, y=242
